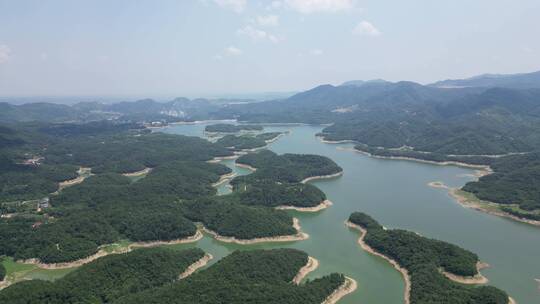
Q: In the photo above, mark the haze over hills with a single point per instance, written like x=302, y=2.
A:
x=143, y=110
x=521, y=80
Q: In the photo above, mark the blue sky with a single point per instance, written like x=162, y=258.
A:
x=212, y=47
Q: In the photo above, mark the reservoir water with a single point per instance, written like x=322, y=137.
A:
x=396, y=194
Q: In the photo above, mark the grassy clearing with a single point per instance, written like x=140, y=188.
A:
x=16, y=272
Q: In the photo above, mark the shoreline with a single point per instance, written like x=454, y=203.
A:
x=223, y=178
x=344, y=141
x=310, y=266
x=196, y=266
x=484, y=168
x=323, y=205
x=468, y=203
x=471, y=204
x=138, y=173
x=252, y=149
x=308, y=179
x=245, y=166
x=276, y=138
x=102, y=252
x=74, y=181
x=366, y=247
x=299, y=236
x=217, y=159
x=346, y=288
x=190, y=239
x=477, y=279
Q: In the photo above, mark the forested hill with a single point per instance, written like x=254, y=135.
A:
x=261, y=276
x=106, y=279
x=391, y=115
x=144, y=110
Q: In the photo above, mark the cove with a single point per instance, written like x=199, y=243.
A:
x=396, y=193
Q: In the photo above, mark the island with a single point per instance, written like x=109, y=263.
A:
x=434, y=271
x=241, y=143
x=230, y=128
x=280, y=180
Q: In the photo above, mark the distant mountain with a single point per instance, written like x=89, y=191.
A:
x=358, y=83
x=38, y=112
x=144, y=110
x=518, y=81
x=471, y=120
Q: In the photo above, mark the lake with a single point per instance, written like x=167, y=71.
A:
x=396, y=194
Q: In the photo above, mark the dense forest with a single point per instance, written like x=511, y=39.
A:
x=108, y=207
x=516, y=180
x=2, y=271
x=106, y=279
x=261, y=276
x=423, y=258
x=231, y=219
x=229, y=128
x=427, y=156
x=277, y=180
x=286, y=168
x=268, y=136
x=271, y=193
x=244, y=142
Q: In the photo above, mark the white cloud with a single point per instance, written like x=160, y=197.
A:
x=256, y=34
x=235, y=5
x=233, y=51
x=316, y=52
x=314, y=6
x=5, y=53
x=269, y=20
x=365, y=28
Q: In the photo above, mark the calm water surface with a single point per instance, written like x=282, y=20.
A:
x=396, y=194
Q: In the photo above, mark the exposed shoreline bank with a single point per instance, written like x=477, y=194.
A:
x=245, y=166
x=479, y=278
x=102, y=252
x=323, y=205
x=224, y=178
x=312, y=178
x=138, y=173
x=217, y=159
x=83, y=173
x=299, y=236
x=277, y=137
x=310, y=266
x=196, y=266
x=480, y=205
x=370, y=250
x=485, y=168
x=346, y=288
x=344, y=141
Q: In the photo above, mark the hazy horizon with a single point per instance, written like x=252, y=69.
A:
x=236, y=47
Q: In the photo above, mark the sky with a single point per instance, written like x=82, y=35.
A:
x=210, y=47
